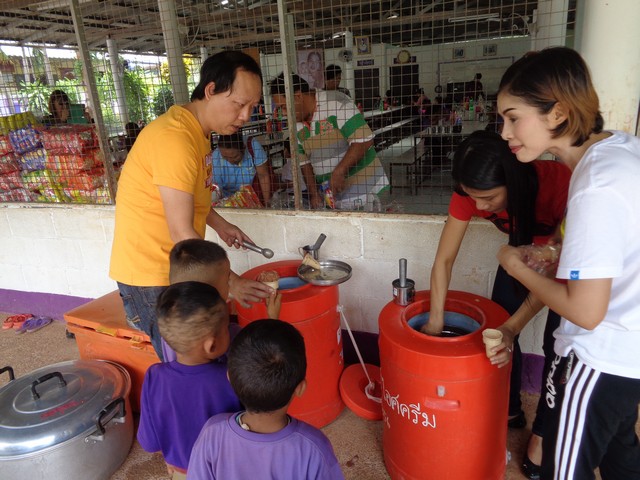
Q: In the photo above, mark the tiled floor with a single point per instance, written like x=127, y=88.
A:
x=357, y=442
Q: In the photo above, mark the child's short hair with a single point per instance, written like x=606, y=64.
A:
x=189, y=311
x=266, y=363
x=189, y=258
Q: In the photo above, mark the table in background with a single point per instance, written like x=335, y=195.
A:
x=433, y=147
x=273, y=144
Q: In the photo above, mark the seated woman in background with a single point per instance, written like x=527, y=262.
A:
x=236, y=163
x=59, y=109
x=131, y=133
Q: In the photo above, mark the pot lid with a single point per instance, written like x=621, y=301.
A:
x=56, y=403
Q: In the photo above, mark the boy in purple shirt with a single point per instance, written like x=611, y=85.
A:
x=203, y=261
x=267, y=367
x=178, y=397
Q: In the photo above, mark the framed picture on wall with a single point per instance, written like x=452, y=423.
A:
x=311, y=66
x=490, y=50
x=458, y=53
x=363, y=46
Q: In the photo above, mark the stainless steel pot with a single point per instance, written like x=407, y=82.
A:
x=71, y=420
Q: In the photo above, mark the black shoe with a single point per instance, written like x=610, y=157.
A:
x=530, y=469
x=519, y=421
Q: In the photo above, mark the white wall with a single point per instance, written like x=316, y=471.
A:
x=430, y=59
x=66, y=249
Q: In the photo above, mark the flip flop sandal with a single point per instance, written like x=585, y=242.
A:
x=21, y=319
x=8, y=323
x=15, y=321
x=32, y=324
x=37, y=323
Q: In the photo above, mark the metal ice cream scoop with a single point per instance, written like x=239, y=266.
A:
x=268, y=253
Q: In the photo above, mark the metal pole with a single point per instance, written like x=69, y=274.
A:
x=117, y=72
x=89, y=80
x=287, y=41
x=171, y=33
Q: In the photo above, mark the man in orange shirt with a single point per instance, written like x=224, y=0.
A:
x=164, y=191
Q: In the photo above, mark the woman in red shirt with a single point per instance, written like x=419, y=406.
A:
x=525, y=201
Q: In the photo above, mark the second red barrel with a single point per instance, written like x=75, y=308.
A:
x=313, y=311
x=444, y=404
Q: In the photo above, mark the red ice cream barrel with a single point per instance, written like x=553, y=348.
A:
x=313, y=311
x=444, y=405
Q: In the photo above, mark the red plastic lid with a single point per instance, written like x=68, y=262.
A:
x=352, y=385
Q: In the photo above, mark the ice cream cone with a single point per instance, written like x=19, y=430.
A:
x=491, y=338
x=273, y=284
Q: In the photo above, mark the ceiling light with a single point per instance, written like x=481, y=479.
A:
x=392, y=15
x=474, y=18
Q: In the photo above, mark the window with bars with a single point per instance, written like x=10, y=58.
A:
x=401, y=83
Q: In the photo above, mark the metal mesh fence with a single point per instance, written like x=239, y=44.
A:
x=396, y=86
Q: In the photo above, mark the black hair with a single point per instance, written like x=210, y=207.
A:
x=193, y=254
x=332, y=71
x=299, y=84
x=132, y=128
x=483, y=161
x=478, y=76
x=189, y=311
x=266, y=361
x=58, y=96
x=234, y=140
x=221, y=69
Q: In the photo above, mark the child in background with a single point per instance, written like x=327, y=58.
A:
x=178, y=397
x=203, y=261
x=267, y=367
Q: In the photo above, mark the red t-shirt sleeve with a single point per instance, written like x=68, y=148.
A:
x=462, y=208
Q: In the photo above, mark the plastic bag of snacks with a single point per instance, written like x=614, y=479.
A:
x=34, y=160
x=10, y=181
x=8, y=163
x=99, y=195
x=69, y=138
x=327, y=193
x=83, y=180
x=24, y=139
x=245, y=197
x=74, y=162
x=37, y=180
x=18, y=195
x=5, y=145
x=51, y=195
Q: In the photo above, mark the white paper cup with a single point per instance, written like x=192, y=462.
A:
x=491, y=338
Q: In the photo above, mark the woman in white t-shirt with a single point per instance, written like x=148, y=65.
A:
x=549, y=104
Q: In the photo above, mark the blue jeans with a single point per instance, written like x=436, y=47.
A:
x=140, y=308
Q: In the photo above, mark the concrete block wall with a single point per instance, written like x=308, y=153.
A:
x=65, y=250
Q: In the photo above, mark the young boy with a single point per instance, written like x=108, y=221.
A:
x=178, y=397
x=199, y=260
x=267, y=367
